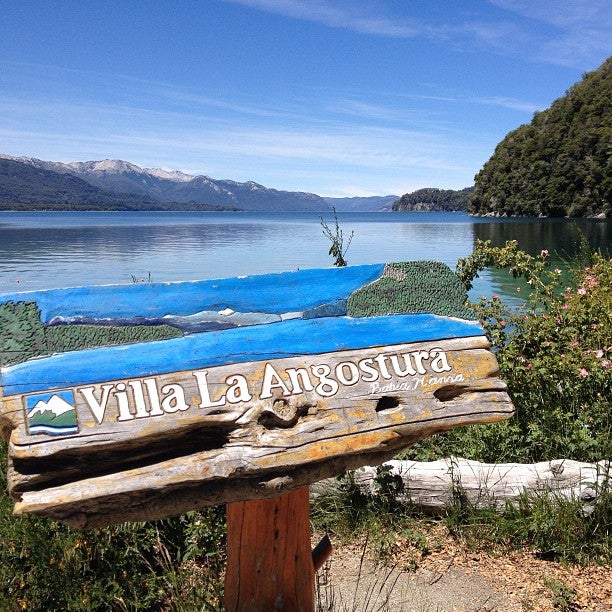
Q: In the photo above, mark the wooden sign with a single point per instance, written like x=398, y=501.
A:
x=142, y=401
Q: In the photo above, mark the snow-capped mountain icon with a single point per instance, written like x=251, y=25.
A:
x=52, y=413
x=56, y=405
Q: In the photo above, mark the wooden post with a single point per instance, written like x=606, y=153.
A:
x=269, y=559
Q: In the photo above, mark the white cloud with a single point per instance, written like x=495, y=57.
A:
x=369, y=18
x=582, y=28
x=354, y=16
x=518, y=105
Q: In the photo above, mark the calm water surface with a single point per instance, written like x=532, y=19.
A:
x=61, y=249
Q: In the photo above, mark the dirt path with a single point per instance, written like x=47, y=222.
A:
x=456, y=579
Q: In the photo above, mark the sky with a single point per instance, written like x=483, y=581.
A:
x=335, y=97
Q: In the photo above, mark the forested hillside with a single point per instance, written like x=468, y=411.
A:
x=559, y=164
x=433, y=199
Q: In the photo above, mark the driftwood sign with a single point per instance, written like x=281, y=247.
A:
x=142, y=401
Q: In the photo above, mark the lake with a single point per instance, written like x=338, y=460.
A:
x=40, y=250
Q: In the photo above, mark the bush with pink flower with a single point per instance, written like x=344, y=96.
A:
x=555, y=354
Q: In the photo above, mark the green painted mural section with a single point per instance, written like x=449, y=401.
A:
x=23, y=336
x=412, y=287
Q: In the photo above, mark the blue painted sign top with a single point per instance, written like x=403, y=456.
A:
x=240, y=345
x=268, y=293
x=235, y=320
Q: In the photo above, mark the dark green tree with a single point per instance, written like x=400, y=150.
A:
x=557, y=165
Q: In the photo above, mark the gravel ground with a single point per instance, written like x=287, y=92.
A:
x=452, y=578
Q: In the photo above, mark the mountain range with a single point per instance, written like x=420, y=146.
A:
x=27, y=183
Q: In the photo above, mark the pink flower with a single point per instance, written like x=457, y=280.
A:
x=574, y=343
x=606, y=364
x=599, y=353
x=565, y=306
x=581, y=291
x=529, y=366
x=584, y=373
x=543, y=252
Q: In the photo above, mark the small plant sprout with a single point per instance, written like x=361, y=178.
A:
x=336, y=236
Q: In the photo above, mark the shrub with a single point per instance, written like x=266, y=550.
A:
x=173, y=564
x=555, y=354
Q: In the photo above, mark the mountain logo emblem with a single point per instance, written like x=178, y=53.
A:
x=52, y=413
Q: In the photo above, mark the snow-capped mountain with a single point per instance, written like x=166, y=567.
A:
x=117, y=177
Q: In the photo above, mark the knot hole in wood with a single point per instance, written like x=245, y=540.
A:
x=283, y=413
x=450, y=392
x=387, y=402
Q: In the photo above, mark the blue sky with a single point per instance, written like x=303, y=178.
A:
x=336, y=97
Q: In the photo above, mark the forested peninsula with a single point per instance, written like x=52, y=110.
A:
x=433, y=199
x=559, y=164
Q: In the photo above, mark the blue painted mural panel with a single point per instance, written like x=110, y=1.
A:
x=233, y=320
x=269, y=293
x=279, y=340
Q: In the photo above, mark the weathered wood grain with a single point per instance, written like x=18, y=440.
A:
x=269, y=564
x=259, y=448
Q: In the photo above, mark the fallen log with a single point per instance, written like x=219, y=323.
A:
x=433, y=486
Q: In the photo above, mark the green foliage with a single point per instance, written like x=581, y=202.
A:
x=565, y=530
x=559, y=164
x=380, y=516
x=75, y=337
x=433, y=199
x=558, y=528
x=174, y=564
x=412, y=287
x=336, y=237
x=563, y=596
x=22, y=335
x=555, y=354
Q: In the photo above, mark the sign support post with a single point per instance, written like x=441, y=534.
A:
x=269, y=561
